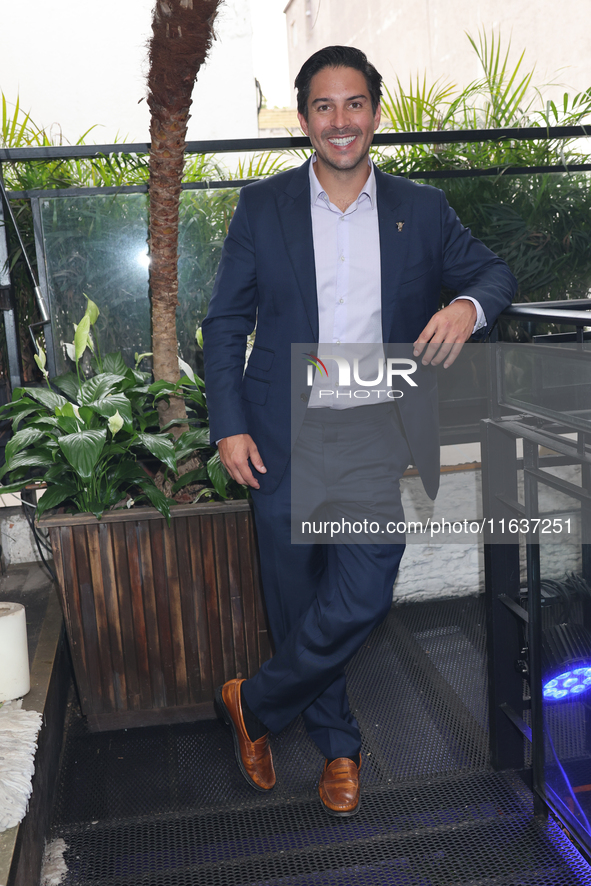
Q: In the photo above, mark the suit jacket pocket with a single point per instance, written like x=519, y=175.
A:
x=254, y=390
x=261, y=358
x=413, y=272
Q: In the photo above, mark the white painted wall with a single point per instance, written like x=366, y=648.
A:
x=80, y=64
x=428, y=35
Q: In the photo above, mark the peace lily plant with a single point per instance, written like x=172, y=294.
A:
x=91, y=438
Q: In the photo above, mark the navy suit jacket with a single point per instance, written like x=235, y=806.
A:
x=267, y=276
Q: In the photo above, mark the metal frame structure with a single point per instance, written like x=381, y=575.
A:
x=510, y=659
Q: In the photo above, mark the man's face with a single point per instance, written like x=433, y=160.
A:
x=340, y=122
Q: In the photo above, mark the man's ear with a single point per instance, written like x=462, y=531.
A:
x=303, y=123
x=377, y=118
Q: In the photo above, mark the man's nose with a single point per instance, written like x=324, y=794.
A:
x=340, y=117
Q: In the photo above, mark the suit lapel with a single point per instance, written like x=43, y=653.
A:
x=296, y=222
x=393, y=245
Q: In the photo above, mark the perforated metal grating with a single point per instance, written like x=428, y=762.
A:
x=166, y=806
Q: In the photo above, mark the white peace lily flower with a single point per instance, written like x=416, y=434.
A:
x=187, y=370
x=115, y=423
x=70, y=350
x=41, y=360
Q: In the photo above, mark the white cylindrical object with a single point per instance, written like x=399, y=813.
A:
x=14, y=653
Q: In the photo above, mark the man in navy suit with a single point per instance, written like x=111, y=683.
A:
x=333, y=251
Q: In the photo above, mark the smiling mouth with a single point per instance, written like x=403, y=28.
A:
x=342, y=142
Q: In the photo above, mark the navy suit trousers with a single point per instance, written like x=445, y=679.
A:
x=322, y=602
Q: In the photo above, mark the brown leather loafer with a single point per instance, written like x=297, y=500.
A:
x=253, y=757
x=339, y=787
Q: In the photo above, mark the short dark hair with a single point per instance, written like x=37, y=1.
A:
x=337, y=57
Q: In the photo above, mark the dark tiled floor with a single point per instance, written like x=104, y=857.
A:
x=166, y=806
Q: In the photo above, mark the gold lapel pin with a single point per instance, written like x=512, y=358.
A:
x=400, y=226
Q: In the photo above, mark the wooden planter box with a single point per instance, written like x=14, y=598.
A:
x=158, y=616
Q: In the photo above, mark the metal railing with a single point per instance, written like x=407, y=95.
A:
x=517, y=617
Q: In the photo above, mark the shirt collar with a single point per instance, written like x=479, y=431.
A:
x=316, y=189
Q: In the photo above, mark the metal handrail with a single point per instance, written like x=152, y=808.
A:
x=550, y=314
x=225, y=146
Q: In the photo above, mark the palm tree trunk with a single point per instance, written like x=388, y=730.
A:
x=182, y=35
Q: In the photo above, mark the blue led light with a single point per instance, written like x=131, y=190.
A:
x=568, y=684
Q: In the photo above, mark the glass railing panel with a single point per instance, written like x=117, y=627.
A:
x=550, y=381
x=97, y=245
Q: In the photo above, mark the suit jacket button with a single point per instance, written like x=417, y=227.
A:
x=304, y=397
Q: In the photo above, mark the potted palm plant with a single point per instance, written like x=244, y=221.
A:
x=160, y=599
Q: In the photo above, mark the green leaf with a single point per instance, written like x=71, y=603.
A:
x=218, y=475
x=47, y=398
x=27, y=460
x=25, y=413
x=195, y=476
x=83, y=450
x=87, y=415
x=81, y=336
x=69, y=384
x=67, y=424
x=114, y=363
x=157, y=498
x=21, y=440
x=55, y=495
x=128, y=470
x=108, y=406
x=162, y=386
x=66, y=410
x=44, y=421
x=14, y=487
x=189, y=441
x=161, y=447
x=100, y=385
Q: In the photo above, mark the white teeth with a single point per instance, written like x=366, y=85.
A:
x=341, y=142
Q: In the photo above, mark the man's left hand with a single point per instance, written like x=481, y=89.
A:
x=445, y=333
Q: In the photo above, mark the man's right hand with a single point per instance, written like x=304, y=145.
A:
x=235, y=453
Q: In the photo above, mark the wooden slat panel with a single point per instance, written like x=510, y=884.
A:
x=62, y=544
x=160, y=578
x=179, y=661
x=223, y=603
x=97, y=700
x=151, y=615
x=210, y=586
x=139, y=618
x=197, y=530
x=113, y=615
x=100, y=614
x=118, y=550
x=189, y=614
